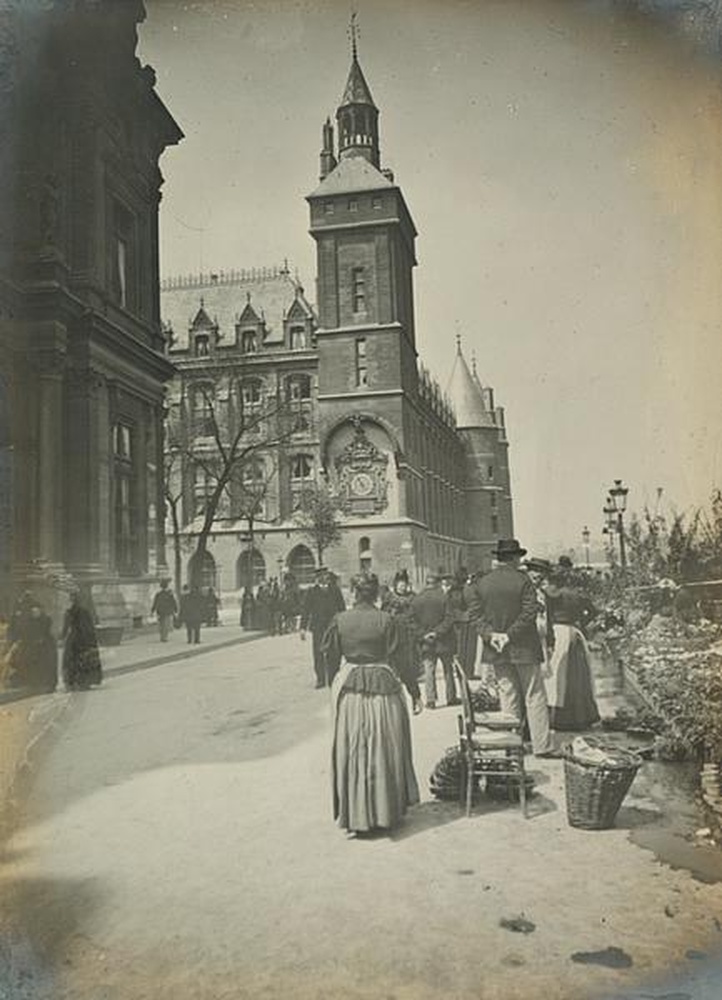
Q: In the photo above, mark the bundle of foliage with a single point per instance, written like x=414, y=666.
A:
x=678, y=667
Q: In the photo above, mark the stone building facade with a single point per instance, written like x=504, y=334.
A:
x=422, y=475
x=82, y=360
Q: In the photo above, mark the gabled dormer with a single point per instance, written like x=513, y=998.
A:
x=250, y=329
x=299, y=324
x=203, y=334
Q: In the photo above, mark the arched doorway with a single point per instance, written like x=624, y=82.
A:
x=250, y=569
x=208, y=573
x=302, y=564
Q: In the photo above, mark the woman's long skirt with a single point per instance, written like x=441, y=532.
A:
x=570, y=686
x=81, y=664
x=373, y=772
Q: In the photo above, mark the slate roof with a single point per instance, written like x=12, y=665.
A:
x=356, y=90
x=353, y=173
x=270, y=293
x=466, y=397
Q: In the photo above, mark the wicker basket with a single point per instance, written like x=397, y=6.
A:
x=595, y=792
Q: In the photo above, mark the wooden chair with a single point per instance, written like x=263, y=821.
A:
x=490, y=743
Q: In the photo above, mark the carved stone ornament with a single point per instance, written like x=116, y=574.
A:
x=361, y=471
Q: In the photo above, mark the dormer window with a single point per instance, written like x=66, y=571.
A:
x=298, y=338
x=249, y=342
x=202, y=346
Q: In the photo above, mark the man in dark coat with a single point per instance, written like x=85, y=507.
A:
x=503, y=606
x=192, y=609
x=434, y=623
x=164, y=607
x=322, y=602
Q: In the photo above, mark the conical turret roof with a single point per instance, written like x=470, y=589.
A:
x=356, y=90
x=465, y=393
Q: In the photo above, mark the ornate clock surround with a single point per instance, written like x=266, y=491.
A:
x=361, y=474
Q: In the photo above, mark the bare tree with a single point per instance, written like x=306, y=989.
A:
x=228, y=450
x=173, y=493
x=318, y=516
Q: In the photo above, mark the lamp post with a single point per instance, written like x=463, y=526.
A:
x=586, y=535
x=618, y=494
x=610, y=526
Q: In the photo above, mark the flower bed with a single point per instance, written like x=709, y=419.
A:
x=677, y=668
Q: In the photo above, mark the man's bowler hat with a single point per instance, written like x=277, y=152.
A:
x=540, y=565
x=508, y=548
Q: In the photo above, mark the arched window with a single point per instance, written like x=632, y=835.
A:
x=298, y=387
x=364, y=545
x=301, y=468
x=250, y=569
x=302, y=564
x=249, y=342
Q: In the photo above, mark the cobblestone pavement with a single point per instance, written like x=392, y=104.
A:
x=177, y=842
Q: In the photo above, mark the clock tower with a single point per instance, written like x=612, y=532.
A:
x=365, y=237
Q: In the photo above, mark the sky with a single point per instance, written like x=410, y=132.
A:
x=563, y=165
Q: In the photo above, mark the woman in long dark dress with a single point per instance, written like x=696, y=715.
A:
x=34, y=654
x=373, y=771
x=81, y=657
x=569, y=684
x=397, y=602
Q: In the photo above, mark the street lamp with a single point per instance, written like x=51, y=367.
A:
x=610, y=525
x=586, y=535
x=618, y=494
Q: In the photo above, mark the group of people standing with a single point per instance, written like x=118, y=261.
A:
x=530, y=619
x=31, y=657
x=274, y=608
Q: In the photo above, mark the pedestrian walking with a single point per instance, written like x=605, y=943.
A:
x=503, y=607
x=434, y=625
x=373, y=773
x=323, y=600
x=81, y=664
x=165, y=608
x=248, y=608
x=33, y=653
x=191, y=614
x=398, y=602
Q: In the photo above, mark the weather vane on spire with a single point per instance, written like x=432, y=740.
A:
x=353, y=33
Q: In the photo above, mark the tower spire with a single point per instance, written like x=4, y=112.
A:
x=353, y=34
x=357, y=115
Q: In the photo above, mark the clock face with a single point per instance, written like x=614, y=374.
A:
x=362, y=484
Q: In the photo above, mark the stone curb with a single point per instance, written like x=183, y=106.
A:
x=19, y=694
x=185, y=654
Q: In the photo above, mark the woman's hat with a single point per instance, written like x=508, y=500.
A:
x=401, y=574
x=506, y=548
x=540, y=565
